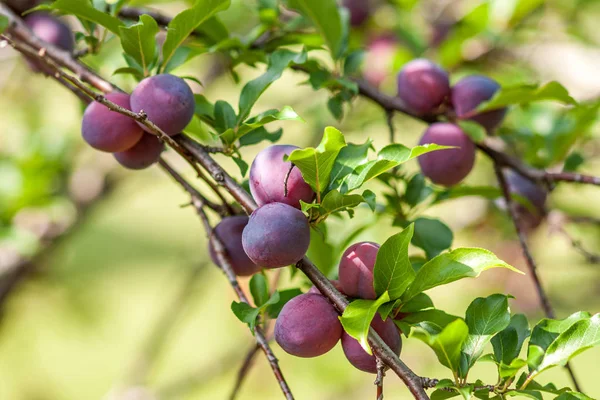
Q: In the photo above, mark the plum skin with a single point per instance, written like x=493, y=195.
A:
x=276, y=235
x=450, y=166
x=359, y=358
x=267, y=178
x=356, y=270
x=51, y=30
x=423, y=86
x=534, y=193
x=229, y=231
x=143, y=154
x=167, y=100
x=469, y=93
x=308, y=326
x=359, y=10
x=107, y=130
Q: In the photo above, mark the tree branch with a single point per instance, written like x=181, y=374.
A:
x=224, y=262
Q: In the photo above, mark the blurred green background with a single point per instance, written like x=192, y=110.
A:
x=115, y=255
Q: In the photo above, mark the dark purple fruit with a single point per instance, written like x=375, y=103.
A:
x=469, y=93
x=356, y=270
x=107, y=130
x=359, y=10
x=167, y=101
x=229, y=231
x=359, y=357
x=145, y=153
x=423, y=86
x=277, y=235
x=308, y=326
x=447, y=167
x=267, y=178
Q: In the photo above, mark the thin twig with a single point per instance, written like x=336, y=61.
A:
x=379, y=379
x=389, y=118
x=590, y=257
x=243, y=371
x=225, y=265
x=544, y=300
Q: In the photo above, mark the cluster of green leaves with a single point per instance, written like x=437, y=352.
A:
x=266, y=304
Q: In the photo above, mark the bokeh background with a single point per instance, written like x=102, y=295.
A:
x=119, y=299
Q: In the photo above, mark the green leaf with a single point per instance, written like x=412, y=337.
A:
x=524, y=94
x=316, y=164
x=432, y=321
x=184, y=23
x=579, y=337
x=224, y=117
x=248, y=314
x=485, y=317
x=418, y=303
x=357, y=318
x=284, y=296
x=129, y=70
x=447, y=344
x=278, y=62
x=532, y=394
x=573, y=396
x=139, y=41
x=4, y=23
x=389, y=157
x=452, y=266
x=334, y=202
x=286, y=114
x=259, y=288
x=510, y=370
x=393, y=271
x=325, y=14
x=416, y=190
x=545, y=333
x=260, y=134
x=507, y=343
x=353, y=62
x=442, y=394
x=475, y=131
x=347, y=160
x=432, y=235
x=85, y=10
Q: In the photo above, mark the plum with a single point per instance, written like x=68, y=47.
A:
x=359, y=10
x=277, y=235
x=537, y=195
x=167, y=100
x=359, y=357
x=469, y=93
x=379, y=58
x=447, y=167
x=107, y=130
x=267, y=178
x=423, y=86
x=229, y=231
x=308, y=326
x=51, y=30
x=143, y=154
x=356, y=270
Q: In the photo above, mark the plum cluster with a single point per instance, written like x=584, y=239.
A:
x=167, y=101
x=308, y=325
x=424, y=88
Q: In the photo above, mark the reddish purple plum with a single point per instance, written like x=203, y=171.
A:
x=167, y=100
x=535, y=194
x=359, y=10
x=145, y=153
x=308, y=326
x=107, y=130
x=469, y=93
x=356, y=270
x=379, y=58
x=447, y=167
x=423, y=86
x=277, y=235
x=51, y=30
x=359, y=357
x=229, y=231
x=267, y=178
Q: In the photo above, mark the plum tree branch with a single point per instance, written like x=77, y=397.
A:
x=224, y=262
x=531, y=264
